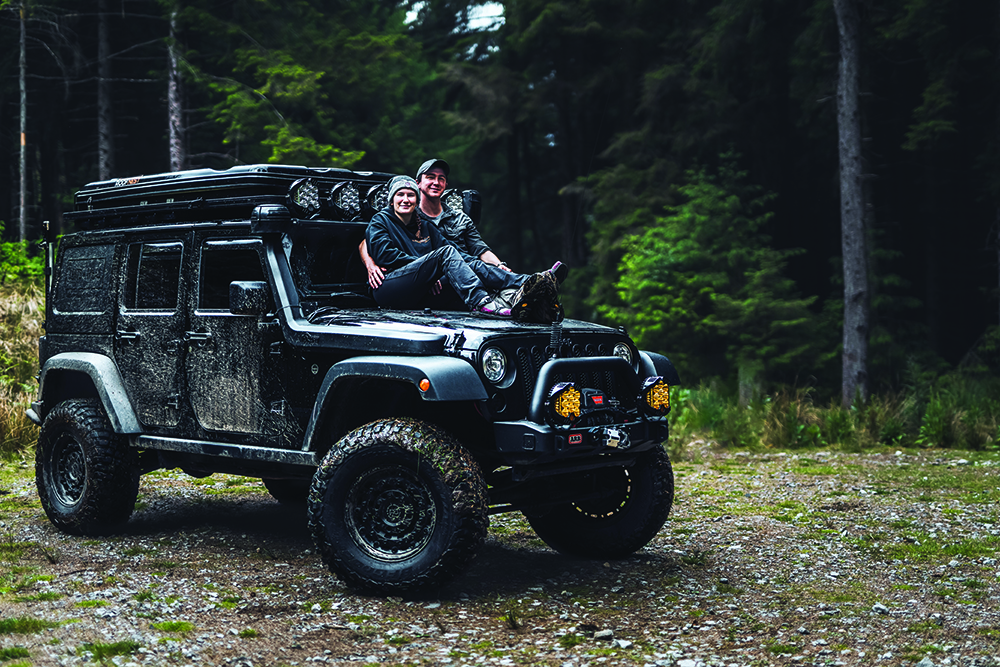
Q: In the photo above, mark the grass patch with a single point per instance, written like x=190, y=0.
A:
x=249, y=633
x=927, y=548
x=176, y=627
x=13, y=653
x=47, y=596
x=571, y=640
x=779, y=649
x=24, y=625
x=90, y=604
x=103, y=652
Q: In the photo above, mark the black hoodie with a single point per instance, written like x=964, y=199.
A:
x=393, y=244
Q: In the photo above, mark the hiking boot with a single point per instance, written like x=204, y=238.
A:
x=537, y=299
x=559, y=271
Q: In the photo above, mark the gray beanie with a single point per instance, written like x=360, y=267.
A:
x=401, y=183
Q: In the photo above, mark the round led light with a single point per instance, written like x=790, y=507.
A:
x=453, y=199
x=494, y=365
x=621, y=350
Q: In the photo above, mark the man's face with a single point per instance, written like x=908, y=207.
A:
x=433, y=182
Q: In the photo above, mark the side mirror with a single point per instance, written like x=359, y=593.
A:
x=248, y=297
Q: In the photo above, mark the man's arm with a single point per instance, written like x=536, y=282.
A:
x=490, y=258
x=375, y=272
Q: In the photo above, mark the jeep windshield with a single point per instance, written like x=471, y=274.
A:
x=326, y=264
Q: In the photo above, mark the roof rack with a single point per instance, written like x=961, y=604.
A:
x=234, y=193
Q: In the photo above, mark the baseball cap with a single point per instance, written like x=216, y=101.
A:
x=430, y=164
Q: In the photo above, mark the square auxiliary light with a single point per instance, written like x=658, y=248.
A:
x=303, y=198
x=346, y=200
x=565, y=402
x=655, y=396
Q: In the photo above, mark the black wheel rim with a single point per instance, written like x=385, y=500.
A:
x=391, y=513
x=69, y=471
x=617, y=484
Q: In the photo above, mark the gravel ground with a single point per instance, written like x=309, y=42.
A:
x=818, y=558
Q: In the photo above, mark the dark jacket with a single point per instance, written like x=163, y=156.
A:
x=392, y=244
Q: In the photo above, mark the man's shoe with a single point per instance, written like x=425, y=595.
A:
x=493, y=306
x=537, y=300
x=559, y=271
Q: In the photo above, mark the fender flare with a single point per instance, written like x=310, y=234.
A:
x=657, y=364
x=107, y=381
x=450, y=379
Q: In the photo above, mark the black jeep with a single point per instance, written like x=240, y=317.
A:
x=220, y=322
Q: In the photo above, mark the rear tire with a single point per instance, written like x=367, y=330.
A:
x=87, y=476
x=397, y=507
x=622, y=521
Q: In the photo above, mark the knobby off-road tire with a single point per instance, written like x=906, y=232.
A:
x=288, y=491
x=87, y=476
x=622, y=522
x=397, y=507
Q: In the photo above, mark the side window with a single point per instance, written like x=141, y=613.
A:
x=153, y=275
x=223, y=262
x=82, y=285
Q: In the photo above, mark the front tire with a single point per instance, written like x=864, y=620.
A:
x=87, y=476
x=397, y=507
x=622, y=521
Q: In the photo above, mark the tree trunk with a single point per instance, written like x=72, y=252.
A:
x=23, y=157
x=856, y=291
x=105, y=114
x=174, y=108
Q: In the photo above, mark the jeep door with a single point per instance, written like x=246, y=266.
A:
x=231, y=382
x=150, y=328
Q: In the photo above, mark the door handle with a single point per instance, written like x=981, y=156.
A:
x=127, y=336
x=199, y=338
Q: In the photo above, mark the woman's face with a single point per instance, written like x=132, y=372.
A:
x=404, y=201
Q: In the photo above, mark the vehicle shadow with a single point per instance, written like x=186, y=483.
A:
x=502, y=567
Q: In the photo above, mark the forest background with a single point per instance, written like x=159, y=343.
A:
x=680, y=155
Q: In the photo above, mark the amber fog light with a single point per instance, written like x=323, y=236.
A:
x=565, y=402
x=655, y=396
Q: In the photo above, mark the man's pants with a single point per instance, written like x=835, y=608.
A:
x=409, y=286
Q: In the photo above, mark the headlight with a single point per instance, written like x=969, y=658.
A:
x=564, y=402
x=494, y=365
x=622, y=350
x=655, y=396
x=303, y=198
x=345, y=198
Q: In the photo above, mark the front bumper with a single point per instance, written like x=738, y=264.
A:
x=527, y=441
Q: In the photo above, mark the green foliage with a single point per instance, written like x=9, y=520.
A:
x=16, y=266
x=703, y=285
x=306, y=83
x=957, y=410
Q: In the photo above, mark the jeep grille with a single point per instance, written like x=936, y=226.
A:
x=530, y=360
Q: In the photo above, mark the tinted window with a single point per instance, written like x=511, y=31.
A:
x=223, y=262
x=153, y=275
